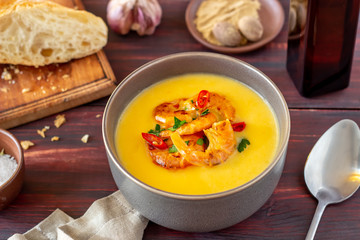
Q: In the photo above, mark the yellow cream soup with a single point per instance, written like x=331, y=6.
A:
x=261, y=130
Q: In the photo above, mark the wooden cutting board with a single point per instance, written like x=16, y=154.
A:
x=29, y=93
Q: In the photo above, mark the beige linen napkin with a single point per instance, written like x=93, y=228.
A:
x=108, y=218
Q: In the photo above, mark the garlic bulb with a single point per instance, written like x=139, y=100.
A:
x=119, y=15
x=141, y=16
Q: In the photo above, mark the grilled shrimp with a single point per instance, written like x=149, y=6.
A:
x=165, y=112
x=194, y=126
x=175, y=160
x=220, y=105
x=217, y=107
x=221, y=145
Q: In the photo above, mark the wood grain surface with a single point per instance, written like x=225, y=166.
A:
x=34, y=92
x=70, y=175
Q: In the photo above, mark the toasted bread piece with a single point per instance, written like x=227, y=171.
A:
x=38, y=33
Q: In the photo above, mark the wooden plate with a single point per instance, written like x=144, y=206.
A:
x=271, y=16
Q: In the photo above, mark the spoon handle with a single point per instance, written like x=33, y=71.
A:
x=316, y=219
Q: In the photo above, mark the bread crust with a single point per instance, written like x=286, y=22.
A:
x=38, y=33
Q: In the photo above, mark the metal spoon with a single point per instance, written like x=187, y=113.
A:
x=332, y=170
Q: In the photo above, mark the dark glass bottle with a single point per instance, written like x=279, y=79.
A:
x=319, y=56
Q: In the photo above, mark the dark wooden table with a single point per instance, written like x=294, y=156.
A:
x=70, y=175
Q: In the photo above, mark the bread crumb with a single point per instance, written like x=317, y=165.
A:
x=60, y=120
x=53, y=88
x=39, y=78
x=26, y=144
x=85, y=138
x=65, y=76
x=98, y=115
x=55, y=138
x=42, y=131
x=17, y=71
x=6, y=75
x=4, y=89
x=25, y=90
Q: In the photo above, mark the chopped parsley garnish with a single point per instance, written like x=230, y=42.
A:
x=205, y=112
x=192, y=101
x=173, y=149
x=200, y=141
x=243, y=144
x=156, y=131
x=177, y=124
x=187, y=142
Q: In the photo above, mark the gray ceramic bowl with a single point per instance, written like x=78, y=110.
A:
x=195, y=213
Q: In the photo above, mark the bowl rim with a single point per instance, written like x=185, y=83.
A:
x=21, y=160
x=282, y=146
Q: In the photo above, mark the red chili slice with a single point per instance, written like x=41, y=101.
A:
x=203, y=98
x=238, y=127
x=154, y=140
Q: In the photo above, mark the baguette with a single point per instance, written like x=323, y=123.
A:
x=38, y=33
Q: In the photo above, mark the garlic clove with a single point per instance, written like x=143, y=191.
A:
x=301, y=15
x=227, y=34
x=251, y=28
x=292, y=19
